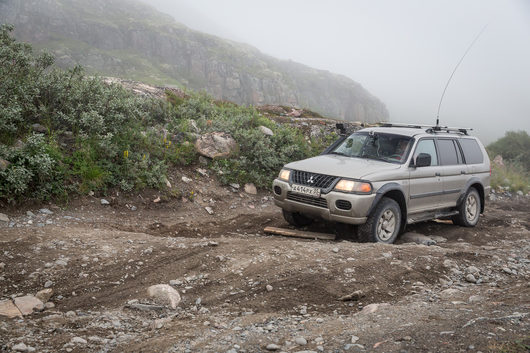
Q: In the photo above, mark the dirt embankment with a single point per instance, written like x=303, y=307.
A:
x=244, y=291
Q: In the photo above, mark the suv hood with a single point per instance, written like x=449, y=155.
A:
x=342, y=166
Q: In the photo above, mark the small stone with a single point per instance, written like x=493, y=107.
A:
x=44, y=295
x=272, y=347
x=20, y=347
x=30, y=214
x=39, y=128
x=354, y=339
x=209, y=210
x=235, y=186
x=507, y=270
x=4, y=218
x=335, y=250
x=472, y=269
x=45, y=211
x=471, y=278
x=2, y=266
x=186, y=179
x=175, y=282
x=301, y=341
x=157, y=200
x=49, y=305
x=61, y=263
x=104, y=202
x=78, y=340
x=202, y=172
x=164, y=294
x=269, y=288
x=372, y=308
x=475, y=299
x=4, y=164
x=48, y=284
x=251, y=189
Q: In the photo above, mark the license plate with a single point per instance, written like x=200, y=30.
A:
x=306, y=190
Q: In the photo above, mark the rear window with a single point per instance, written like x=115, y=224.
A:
x=448, y=153
x=472, y=151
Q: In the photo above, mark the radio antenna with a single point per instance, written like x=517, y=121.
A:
x=452, y=74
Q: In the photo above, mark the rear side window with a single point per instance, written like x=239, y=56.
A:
x=448, y=152
x=427, y=146
x=472, y=151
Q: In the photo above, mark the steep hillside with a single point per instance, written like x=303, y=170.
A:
x=128, y=39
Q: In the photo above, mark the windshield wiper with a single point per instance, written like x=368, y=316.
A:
x=339, y=153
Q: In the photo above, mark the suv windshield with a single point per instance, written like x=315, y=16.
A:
x=384, y=147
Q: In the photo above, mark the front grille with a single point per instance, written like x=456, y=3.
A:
x=308, y=200
x=312, y=179
x=343, y=205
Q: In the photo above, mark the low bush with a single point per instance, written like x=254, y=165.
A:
x=64, y=132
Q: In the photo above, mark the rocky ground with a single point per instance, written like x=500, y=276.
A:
x=80, y=274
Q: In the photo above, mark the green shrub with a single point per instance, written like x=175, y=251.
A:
x=512, y=177
x=100, y=136
x=513, y=147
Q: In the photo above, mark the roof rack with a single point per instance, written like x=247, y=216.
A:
x=430, y=128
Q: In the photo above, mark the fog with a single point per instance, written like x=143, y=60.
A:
x=403, y=52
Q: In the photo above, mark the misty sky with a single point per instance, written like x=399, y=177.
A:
x=403, y=52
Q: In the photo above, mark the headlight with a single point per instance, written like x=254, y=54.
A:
x=346, y=185
x=285, y=174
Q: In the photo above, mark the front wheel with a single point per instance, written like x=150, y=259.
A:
x=383, y=224
x=468, y=210
x=296, y=219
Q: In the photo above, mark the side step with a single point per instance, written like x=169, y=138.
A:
x=430, y=216
x=299, y=234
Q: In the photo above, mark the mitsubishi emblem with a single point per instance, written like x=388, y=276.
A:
x=310, y=180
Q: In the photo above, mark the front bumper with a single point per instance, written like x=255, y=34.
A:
x=327, y=208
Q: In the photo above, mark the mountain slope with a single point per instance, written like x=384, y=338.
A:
x=128, y=39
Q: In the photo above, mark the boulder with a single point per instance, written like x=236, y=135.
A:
x=28, y=303
x=4, y=164
x=216, y=145
x=164, y=294
x=266, y=130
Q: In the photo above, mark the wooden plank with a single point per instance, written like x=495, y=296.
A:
x=298, y=233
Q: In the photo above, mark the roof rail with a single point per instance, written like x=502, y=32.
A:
x=429, y=128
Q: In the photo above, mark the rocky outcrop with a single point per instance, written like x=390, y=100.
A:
x=128, y=39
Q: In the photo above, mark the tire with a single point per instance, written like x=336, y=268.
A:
x=468, y=210
x=296, y=219
x=383, y=224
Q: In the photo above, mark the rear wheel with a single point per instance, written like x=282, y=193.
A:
x=468, y=210
x=296, y=219
x=383, y=224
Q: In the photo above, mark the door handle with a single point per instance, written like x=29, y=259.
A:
x=462, y=172
x=436, y=174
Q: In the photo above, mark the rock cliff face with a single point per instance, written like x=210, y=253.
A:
x=128, y=39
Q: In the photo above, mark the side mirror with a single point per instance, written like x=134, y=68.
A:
x=423, y=160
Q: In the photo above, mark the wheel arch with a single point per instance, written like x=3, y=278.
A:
x=395, y=192
x=477, y=185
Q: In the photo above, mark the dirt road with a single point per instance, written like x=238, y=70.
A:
x=244, y=291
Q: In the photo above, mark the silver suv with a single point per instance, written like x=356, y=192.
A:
x=383, y=178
